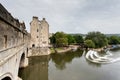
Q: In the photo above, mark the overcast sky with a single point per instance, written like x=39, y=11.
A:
x=70, y=16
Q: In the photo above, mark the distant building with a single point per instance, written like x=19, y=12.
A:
x=39, y=30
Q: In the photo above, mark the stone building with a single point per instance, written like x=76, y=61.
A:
x=39, y=31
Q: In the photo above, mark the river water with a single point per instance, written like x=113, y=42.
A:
x=69, y=66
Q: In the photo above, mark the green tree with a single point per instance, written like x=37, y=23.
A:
x=71, y=39
x=89, y=44
x=60, y=42
x=59, y=39
x=98, y=38
x=52, y=39
x=114, y=40
x=79, y=39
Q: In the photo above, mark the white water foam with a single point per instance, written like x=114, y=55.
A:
x=107, y=58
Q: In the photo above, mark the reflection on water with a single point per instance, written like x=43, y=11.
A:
x=69, y=66
x=37, y=69
x=61, y=60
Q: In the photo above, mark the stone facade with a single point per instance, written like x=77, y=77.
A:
x=39, y=31
x=14, y=45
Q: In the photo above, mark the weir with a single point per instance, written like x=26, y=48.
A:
x=108, y=57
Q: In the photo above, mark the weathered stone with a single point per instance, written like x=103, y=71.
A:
x=14, y=45
x=15, y=42
x=39, y=31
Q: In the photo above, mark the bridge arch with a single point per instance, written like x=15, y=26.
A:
x=22, y=60
x=7, y=78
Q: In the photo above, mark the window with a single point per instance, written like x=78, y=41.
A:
x=37, y=30
x=33, y=45
x=5, y=41
x=37, y=36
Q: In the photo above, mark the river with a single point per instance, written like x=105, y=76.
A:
x=69, y=66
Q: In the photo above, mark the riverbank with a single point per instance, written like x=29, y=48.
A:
x=96, y=49
x=99, y=49
x=109, y=47
x=64, y=49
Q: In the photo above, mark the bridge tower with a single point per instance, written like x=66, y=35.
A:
x=39, y=30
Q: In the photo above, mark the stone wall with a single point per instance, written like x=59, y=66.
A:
x=38, y=51
x=12, y=32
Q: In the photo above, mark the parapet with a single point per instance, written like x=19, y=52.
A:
x=35, y=18
x=9, y=19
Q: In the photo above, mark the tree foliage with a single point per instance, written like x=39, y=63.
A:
x=71, y=39
x=89, y=44
x=79, y=39
x=98, y=38
x=114, y=40
x=52, y=39
x=93, y=39
x=59, y=39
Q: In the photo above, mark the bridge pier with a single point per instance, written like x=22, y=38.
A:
x=24, y=64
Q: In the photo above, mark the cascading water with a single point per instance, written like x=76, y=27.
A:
x=93, y=56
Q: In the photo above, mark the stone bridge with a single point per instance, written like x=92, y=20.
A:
x=11, y=60
x=14, y=45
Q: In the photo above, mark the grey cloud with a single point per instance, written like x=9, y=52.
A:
x=71, y=16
